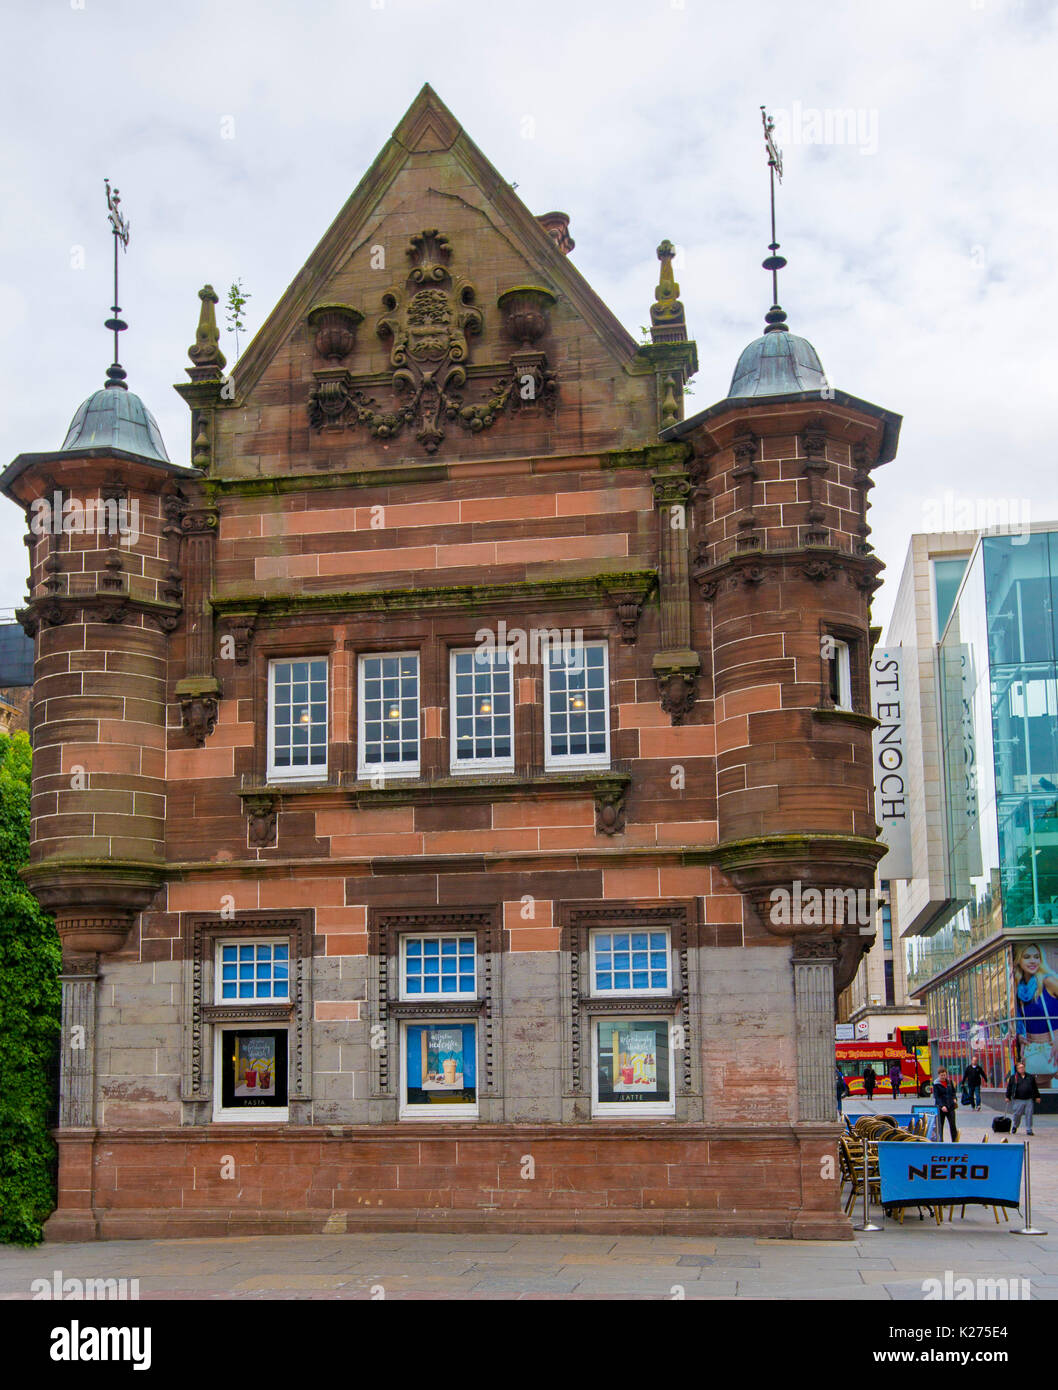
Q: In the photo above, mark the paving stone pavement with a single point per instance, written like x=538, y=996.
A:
x=890, y=1265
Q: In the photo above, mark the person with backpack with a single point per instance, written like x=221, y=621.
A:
x=972, y=1078
x=841, y=1086
x=944, y=1100
x=869, y=1078
x=1023, y=1093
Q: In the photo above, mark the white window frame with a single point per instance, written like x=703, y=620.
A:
x=434, y=936
x=461, y=767
x=841, y=658
x=438, y=1113
x=218, y=973
x=571, y=762
x=296, y=774
x=631, y=1109
x=253, y=1115
x=364, y=769
x=640, y=993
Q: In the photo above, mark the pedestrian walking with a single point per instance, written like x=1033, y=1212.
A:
x=895, y=1075
x=944, y=1100
x=1023, y=1093
x=841, y=1086
x=972, y=1078
x=869, y=1078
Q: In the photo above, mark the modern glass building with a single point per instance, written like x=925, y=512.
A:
x=989, y=970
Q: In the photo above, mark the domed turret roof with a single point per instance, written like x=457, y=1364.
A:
x=115, y=418
x=777, y=364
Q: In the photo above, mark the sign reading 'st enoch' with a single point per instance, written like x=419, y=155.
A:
x=890, y=760
x=943, y=1173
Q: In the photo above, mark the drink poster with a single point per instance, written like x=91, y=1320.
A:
x=253, y=1068
x=442, y=1059
x=635, y=1062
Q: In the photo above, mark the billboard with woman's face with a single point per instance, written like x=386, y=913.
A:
x=1035, y=990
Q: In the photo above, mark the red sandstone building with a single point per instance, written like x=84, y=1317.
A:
x=410, y=786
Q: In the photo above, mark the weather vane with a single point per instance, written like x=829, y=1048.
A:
x=119, y=226
x=775, y=318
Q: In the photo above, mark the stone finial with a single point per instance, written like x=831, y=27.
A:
x=556, y=225
x=667, y=321
x=205, y=352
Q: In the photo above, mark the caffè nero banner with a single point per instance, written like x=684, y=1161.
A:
x=888, y=699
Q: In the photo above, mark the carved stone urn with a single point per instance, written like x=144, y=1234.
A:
x=335, y=326
x=525, y=313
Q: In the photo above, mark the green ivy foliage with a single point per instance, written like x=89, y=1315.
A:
x=30, y=999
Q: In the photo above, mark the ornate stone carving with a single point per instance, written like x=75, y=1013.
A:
x=112, y=565
x=262, y=813
x=525, y=311
x=556, y=225
x=205, y=352
x=198, y=712
x=629, y=608
x=610, y=809
x=818, y=570
x=668, y=323
x=677, y=685
x=335, y=328
x=430, y=321
x=241, y=628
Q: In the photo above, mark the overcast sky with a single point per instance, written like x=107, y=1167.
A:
x=921, y=249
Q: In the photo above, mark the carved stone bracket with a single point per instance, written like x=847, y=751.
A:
x=610, y=807
x=241, y=628
x=199, y=706
x=817, y=563
x=262, y=812
x=677, y=677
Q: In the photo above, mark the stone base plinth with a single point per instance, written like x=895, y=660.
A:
x=243, y=1180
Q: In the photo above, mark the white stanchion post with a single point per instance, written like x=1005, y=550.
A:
x=1028, y=1229
x=867, y=1224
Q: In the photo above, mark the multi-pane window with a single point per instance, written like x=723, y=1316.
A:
x=482, y=717
x=630, y=962
x=389, y=714
x=297, y=724
x=253, y=970
x=439, y=967
x=578, y=707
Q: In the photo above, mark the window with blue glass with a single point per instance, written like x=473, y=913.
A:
x=439, y=967
x=630, y=962
x=257, y=970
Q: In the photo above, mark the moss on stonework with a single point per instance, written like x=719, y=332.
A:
x=653, y=457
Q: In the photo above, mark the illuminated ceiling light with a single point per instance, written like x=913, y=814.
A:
x=577, y=701
x=485, y=707
x=303, y=717
x=394, y=712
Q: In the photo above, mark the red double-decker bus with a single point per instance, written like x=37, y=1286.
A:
x=853, y=1057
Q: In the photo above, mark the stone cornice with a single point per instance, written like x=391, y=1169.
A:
x=53, y=610
x=818, y=563
x=600, y=587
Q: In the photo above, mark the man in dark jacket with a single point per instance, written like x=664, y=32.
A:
x=841, y=1086
x=869, y=1078
x=1024, y=1093
x=944, y=1100
x=972, y=1078
x=895, y=1076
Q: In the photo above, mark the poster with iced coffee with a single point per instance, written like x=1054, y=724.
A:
x=635, y=1062
x=442, y=1059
